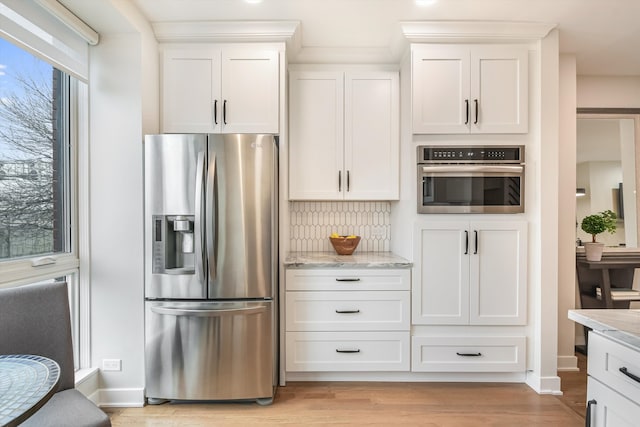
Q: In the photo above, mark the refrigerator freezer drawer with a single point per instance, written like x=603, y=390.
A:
x=209, y=350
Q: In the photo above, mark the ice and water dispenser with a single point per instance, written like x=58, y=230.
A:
x=173, y=250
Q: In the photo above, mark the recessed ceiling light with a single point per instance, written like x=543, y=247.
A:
x=424, y=3
x=253, y=1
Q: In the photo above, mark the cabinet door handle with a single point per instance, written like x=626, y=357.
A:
x=466, y=242
x=215, y=112
x=478, y=354
x=475, y=251
x=475, y=101
x=348, y=311
x=587, y=418
x=348, y=181
x=347, y=279
x=355, y=350
x=224, y=112
x=339, y=181
x=629, y=374
x=466, y=103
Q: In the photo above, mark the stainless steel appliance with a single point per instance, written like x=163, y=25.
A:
x=210, y=267
x=470, y=179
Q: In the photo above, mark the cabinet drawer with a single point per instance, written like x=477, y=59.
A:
x=347, y=351
x=610, y=409
x=348, y=279
x=348, y=311
x=468, y=354
x=607, y=361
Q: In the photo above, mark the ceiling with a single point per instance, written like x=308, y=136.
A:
x=603, y=34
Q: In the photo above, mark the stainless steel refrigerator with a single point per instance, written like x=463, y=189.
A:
x=210, y=267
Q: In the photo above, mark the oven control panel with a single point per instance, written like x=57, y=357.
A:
x=473, y=154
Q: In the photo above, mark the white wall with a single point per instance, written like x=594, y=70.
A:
x=116, y=215
x=123, y=107
x=567, y=212
x=608, y=92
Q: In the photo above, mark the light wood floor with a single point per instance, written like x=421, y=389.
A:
x=383, y=404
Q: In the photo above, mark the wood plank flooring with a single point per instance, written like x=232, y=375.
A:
x=381, y=404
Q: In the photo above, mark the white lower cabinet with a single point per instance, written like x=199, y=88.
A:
x=613, y=385
x=347, y=351
x=347, y=320
x=468, y=354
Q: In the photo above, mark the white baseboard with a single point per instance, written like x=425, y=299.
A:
x=568, y=364
x=497, y=377
x=119, y=397
x=544, y=385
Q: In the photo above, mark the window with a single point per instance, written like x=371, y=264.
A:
x=34, y=156
x=40, y=110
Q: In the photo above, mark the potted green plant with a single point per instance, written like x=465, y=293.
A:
x=594, y=225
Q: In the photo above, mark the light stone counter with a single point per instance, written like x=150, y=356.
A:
x=357, y=260
x=621, y=325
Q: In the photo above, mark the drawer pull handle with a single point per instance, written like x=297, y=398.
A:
x=348, y=279
x=587, y=418
x=357, y=350
x=629, y=374
x=347, y=311
x=469, y=354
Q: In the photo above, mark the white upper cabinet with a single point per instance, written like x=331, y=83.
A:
x=220, y=90
x=470, y=89
x=344, y=135
x=470, y=273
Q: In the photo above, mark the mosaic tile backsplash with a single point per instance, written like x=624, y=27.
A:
x=313, y=222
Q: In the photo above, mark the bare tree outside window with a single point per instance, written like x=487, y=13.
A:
x=31, y=187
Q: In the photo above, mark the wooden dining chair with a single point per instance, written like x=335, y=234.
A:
x=35, y=319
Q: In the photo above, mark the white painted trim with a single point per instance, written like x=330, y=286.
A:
x=86, y=381
x=489, y=31
x=496, y=377
x=81, y=143
x=568, y=364
x=230, y=31
x=544, y=385
x=118, y=397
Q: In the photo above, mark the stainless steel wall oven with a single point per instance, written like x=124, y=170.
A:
x=470, y=179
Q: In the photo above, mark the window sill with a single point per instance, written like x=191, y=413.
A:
x=86, y=381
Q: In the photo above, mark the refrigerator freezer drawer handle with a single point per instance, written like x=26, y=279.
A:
x=193, y=312
x=347, y=279
x=355, y=350
x=198, y=226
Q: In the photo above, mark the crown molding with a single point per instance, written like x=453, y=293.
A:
x=438, y=31
x=229, y=31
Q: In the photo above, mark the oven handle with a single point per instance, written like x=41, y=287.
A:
x=516, y=169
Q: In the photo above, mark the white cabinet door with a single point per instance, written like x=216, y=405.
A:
x=470, y=273
x=440, y=76
x=499, y=86
x=371, y=136
x=470, y=89
x=190, y=87
x=344, y=135
x=498, y=273
x=608, y=408
x=250, y=91
x=316, y=135
x=441, y=274
x=220, y=90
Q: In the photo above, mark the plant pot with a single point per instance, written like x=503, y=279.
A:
x=593, y=251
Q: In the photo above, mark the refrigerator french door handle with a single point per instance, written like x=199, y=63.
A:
x=173, y=311
x=211, y=217
x=198, y=228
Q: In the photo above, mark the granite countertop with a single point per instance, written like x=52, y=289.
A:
x=357, y=260
x=619, y=324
